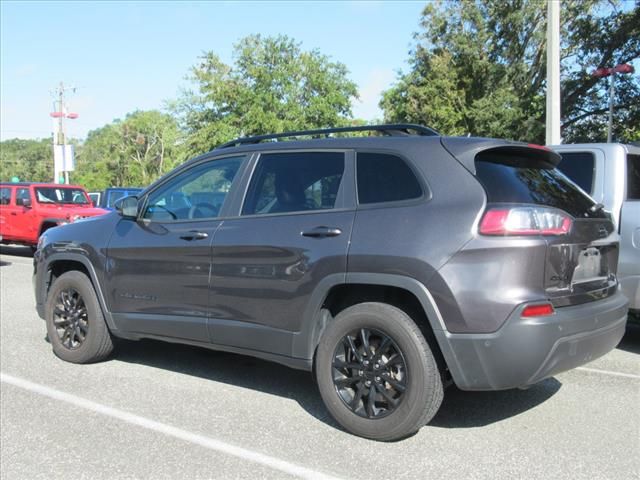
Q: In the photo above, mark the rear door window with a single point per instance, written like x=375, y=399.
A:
x=385, y=178
x=507, y=181
x=5, y=195
x=579, y=167
x=633, y=177
x=295, y=182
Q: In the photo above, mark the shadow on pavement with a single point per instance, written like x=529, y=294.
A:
x=459, y=410
x=631, y=340
x=478, y=409
x=16, y=250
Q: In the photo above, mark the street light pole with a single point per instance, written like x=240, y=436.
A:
x=611, y=97
x=611, y=72
x=552, y=129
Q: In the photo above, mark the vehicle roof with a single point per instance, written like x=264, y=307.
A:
x=121, y=188
x=463, y=148
x=39, y=184
x=602, y=146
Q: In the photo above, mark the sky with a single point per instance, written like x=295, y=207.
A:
x=127, y=56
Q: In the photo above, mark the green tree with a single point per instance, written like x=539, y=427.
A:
x=272, y=86
x=29, y=160
x=479, y=67
x=130, y=152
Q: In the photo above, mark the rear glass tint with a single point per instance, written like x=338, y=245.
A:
x=633, y=177
x=385, y=178
x=579, y=167
x=533, y=185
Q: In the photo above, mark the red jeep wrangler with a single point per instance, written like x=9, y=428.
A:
x=28, y=209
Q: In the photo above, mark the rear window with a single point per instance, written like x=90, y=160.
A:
x=385, y=178
x=579, y=167
x=633, y=177
x=5, y=195
x=532, y=184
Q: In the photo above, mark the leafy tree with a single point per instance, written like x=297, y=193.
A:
x=272, y=86
x=130, y=152
x=479, y=67
x=29, y=160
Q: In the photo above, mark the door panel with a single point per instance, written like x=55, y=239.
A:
x=159, y=278
x=267, y=264
x=158, y=266
x=6, y=207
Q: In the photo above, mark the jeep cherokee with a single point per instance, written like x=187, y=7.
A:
x=390, y=266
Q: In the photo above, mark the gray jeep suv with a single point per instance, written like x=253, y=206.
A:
x=390, y=266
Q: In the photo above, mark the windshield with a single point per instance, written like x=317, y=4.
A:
x=75, y=196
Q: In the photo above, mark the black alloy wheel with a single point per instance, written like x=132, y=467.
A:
x=71, y=319
x=369, y=373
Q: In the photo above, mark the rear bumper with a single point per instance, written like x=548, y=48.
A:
x=525, y=351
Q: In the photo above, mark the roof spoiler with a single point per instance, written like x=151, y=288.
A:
x=465, y=150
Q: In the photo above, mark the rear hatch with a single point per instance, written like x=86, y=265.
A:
x=527, y=195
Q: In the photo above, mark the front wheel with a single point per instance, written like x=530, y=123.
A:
x=75, y=323
x=376, y=373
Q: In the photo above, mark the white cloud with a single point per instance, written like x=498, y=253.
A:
x=371, y=90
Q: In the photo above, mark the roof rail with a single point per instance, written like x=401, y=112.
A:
x=392, y=129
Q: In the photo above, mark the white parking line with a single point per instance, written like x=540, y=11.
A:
x=609, y=372
x=197, y=439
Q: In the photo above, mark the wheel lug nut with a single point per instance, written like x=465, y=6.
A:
x=368, y=383
x=378, y=379
x=376, y=366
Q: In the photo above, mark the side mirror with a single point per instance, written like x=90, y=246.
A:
x=127, y=207
x=25, y=202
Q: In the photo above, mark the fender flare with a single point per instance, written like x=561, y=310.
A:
x=93, y=277
x=315, y=319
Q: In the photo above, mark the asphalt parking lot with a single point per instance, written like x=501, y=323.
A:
x=159, y=411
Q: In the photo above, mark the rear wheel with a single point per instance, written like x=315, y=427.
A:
x=75, y=323
x=376, y=373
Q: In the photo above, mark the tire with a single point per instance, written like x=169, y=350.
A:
x=75, y=323
x=405, y=369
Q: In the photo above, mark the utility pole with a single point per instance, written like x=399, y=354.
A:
x=602, y=72
x=60, y=149
x=553, y=73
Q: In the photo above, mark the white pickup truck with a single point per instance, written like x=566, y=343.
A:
x=610, y=173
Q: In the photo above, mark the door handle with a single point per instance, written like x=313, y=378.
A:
x=194, y=235
x=321, y=232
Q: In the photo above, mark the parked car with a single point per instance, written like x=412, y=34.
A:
x=29, y=209
x=610, y=173
x=390, y=266
x=95, y=198
x=108, y=197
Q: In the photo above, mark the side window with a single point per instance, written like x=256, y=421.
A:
x=295, y=182
x=22, y=194
x=5, y=195
x=633, y=177
x=196, y=193
x=579, y=167
x=385, y=178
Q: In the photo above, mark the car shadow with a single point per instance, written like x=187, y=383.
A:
x=462, y=409
x=631, y=340
x=16, y=250
x=459, y=410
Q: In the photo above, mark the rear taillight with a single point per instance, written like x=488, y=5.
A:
x=539, y=310
x=525, y=221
